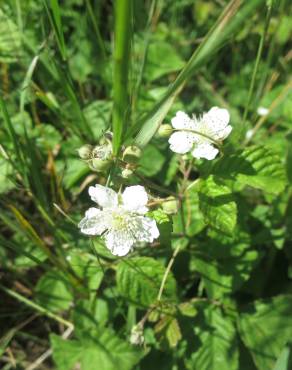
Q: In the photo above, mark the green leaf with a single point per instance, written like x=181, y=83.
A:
x=53, y=292
x=100, y=349
x=193, y=218
x=10, y=40
x=217, y=204
x=219, y=345
x=151, y=161
x=87, y=268
x=97, y=114
x=265, y=327
x=284, y=361
x=164, y=225
x=157, y=65
x=225, y=263
x=139, y=279
x=256, y=166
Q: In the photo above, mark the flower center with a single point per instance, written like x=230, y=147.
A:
x=119, y=220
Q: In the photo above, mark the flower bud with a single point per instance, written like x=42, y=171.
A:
x=132, y=154
x=169, y=205
x=85, y=151
x=99, y=165
x=165, y=130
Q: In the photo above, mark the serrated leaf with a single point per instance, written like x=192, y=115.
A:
x=218, y=205
x=219, y=345
x=10, y=40
x=256, y=166
x=225, y=263
x=265, y=327
x=139, y=279
x=100, y=349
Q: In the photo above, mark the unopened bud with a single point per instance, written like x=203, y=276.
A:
x=132, y=154
x=85, y=151
x=169, y=205
x=99, y=165
x=165, y=130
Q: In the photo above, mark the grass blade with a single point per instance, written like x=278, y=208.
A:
x=122, y=48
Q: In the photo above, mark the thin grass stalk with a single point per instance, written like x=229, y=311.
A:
x=96, y=29
x=122, y=50
x=36, y=306
x=256, y=66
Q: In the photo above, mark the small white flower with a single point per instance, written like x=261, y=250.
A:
x=262, y=111
x=197, y=135
x=120, y=219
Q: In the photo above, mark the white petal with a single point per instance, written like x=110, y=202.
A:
x=181, y=120
x=144, y=229
x=103, y=196
x=224, y=133
x=206, y=151
x=119, y=242
x=181, y=142
x=135, y=199
x=94, y=222
x=216, y=119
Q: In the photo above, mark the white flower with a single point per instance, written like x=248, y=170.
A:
x=120, y=218
x=198, y=135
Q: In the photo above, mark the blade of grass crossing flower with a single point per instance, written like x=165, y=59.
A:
x=122, y=49
x=226, y=26
x=54, y=14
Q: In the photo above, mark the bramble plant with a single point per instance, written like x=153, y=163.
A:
x=136, y=235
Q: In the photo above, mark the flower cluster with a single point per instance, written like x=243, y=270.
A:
x=198, y=135
x=120, y=219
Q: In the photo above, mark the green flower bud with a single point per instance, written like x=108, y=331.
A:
x=169, y=206
x=85, y=151
x=102, y=151
x=132, y=154
x=99, y=165
x=165, y=130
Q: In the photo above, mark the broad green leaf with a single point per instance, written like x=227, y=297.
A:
x=219, y=345
x=217, y=205
x=5, y=171
x=53, y=291
x=157, y=65
x=265, y=327
x=139, y=279
x=225, y=263
x=100, y=349
x=256, y=166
